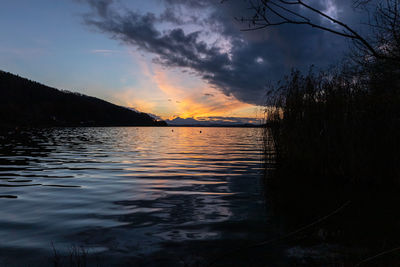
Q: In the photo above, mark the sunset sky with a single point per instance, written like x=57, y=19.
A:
x=165, y=57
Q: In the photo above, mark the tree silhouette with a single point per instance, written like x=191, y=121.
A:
x=28, y=103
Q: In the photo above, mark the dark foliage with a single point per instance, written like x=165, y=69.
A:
x=338, y=129
x=336, y=138
x=342, y=126
x=28, y=103
x=333, y=137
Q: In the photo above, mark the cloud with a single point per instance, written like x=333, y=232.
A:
x=214, y=120
x=237, y=64
x=105, y=51
x=230, y=120
x=188, y=98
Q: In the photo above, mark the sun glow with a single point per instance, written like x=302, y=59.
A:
x=176, y=93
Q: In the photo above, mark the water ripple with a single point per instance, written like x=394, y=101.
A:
x=99, y=186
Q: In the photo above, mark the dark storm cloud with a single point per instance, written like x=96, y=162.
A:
x=169, y=15
x=192, y=3
x=101, y=7
x=253, y=60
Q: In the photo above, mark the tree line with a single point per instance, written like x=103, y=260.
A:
x=28, y=103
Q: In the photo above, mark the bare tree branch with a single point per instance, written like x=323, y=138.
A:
x=268, y=13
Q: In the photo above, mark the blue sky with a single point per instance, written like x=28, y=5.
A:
x=48, y=42
x=166, y=57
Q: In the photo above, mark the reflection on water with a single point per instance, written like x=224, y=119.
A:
x=126, y=191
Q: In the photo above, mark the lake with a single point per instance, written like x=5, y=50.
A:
x=129, y=195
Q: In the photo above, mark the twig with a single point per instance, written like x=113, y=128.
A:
x=377, y=255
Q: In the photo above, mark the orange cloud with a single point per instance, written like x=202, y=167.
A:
x=171, y=93
x=197, y=99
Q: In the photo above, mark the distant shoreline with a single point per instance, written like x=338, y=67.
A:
x=219, y=126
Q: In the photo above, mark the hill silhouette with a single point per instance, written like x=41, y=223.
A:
x=27, y=103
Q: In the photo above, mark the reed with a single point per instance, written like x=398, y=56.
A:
x=334, y=129
x=333, y=137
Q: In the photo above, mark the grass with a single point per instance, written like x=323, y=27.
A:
x=77, y=256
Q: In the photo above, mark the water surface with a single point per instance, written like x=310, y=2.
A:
x=126, y=192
